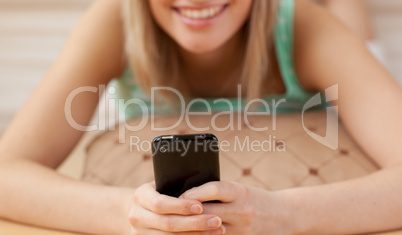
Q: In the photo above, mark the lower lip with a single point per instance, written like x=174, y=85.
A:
x=200, y=23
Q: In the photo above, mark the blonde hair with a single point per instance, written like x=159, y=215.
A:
x=153, y=55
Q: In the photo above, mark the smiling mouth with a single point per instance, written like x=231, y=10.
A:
x=200, y=13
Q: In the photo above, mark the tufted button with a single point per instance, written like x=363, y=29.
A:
x=313, y=171
x=344, y=152
x=246, y=172
x=311, y=128
x=279, y=143
x=146, y=157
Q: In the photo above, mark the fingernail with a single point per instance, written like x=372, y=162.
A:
x=196, y=209
x=214, y=222
x=223, y=229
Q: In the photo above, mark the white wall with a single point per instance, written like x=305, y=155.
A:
x=31, y=35
x=387, y=19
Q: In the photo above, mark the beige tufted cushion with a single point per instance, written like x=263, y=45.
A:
x=305, y=161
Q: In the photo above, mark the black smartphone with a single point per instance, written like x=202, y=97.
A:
x=182, y=162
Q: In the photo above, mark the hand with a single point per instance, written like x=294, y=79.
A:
x=154, y=213
x=244, y=210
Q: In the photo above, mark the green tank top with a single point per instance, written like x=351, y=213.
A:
x=292, y=101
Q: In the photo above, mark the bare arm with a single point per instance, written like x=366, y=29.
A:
x=369, y=106
x=40, y=138
x=354, y=14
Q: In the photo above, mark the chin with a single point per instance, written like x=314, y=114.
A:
x=199, y=49
x=200, y=46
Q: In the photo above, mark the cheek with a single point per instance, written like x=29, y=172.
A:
x=161, y=12
x=237, y=16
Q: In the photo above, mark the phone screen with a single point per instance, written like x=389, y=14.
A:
x=182, y=162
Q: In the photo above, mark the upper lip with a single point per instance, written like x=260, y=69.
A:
x=198, y=6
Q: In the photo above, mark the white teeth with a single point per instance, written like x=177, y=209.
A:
x=211, y=11
x=201, y=14
x=205, y=13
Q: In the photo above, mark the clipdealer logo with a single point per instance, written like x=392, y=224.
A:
x=119, y=106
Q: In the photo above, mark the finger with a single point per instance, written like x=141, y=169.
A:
x=150, y=199
x=219, y=231
x=221, y=191
x=226, y=211
x=179, y=223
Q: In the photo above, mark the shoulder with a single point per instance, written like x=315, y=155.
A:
x=320, y=44
x=105, y=14
x=311, y=21
x=100, y=33
x=111, y=6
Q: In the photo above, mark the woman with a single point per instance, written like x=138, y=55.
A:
x=211, y=38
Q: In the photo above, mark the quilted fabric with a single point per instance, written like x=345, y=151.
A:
x=290, y=158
